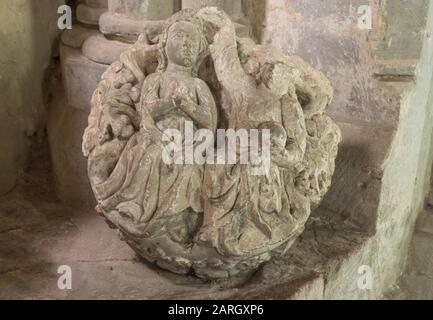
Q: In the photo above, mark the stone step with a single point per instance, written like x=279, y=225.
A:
x=89, y=15
x=101, y=50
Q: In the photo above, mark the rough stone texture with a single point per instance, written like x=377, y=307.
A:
x=27, y=35
x=182, y=216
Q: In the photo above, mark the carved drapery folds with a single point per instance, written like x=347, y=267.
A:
x=215, y=220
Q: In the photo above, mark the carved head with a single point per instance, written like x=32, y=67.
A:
x=183, y=42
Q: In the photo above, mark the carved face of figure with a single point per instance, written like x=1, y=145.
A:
x=183, y=44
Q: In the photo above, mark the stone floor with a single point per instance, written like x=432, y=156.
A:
x=38, y=234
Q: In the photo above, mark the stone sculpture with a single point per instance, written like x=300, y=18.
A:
x=214, y=220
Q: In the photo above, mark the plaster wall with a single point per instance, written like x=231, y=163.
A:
x=27, y=33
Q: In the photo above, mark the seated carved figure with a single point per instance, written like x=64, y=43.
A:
x=215, y=220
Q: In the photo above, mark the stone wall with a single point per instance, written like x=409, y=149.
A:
x=28, y=30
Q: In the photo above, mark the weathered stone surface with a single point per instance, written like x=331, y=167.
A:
x=425, y=222
x=97, y=3
x=128, y=19
x=127, y=28
x=143, y=9
x=346, y=52
x=101, y=50
x=89, y=15
x=232, y=8
x=76, y=36
x=80, y=77
x=191, y=217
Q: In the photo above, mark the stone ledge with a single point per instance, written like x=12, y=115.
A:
x=76, y=36
x=128, y=29
x=354, y=194
x=396, y=70
x=89, y=15
x=101, y=50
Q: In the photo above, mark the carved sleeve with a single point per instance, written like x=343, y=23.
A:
x=228, y=66
x=294, y=124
